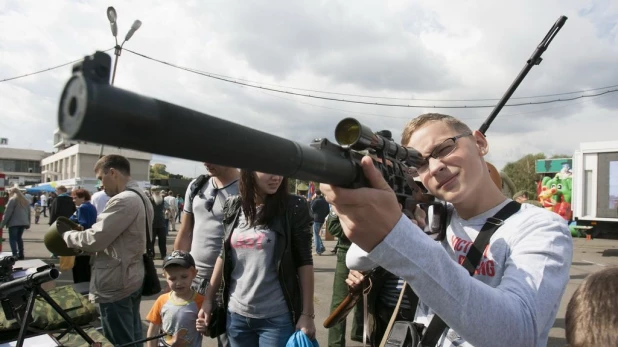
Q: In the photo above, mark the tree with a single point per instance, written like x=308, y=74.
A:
x=158, y=171
x=523, y=173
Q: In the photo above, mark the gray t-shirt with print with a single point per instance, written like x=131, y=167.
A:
x=255, y=291
x=207, y=227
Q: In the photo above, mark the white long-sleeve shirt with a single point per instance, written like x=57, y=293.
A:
x=99, y=200
x=513, y=298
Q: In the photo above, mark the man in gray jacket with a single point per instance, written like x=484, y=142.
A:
x=118, y=240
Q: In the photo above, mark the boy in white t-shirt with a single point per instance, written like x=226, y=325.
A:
x=514, y=295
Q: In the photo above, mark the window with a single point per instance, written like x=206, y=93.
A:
x=7, y=165
x=11, y=165
x=588, y=199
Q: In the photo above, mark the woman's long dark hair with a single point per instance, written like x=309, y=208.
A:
x=274, y=204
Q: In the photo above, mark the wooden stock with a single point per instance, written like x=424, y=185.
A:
x=408, y=205
x=341, y=312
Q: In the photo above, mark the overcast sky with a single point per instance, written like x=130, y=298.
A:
x=397, y=50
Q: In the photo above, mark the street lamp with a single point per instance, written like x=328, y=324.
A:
x=112, y=16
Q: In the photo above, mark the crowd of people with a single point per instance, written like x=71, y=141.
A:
x=241, y=268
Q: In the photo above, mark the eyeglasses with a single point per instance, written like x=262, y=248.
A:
x=210, y=203
x=419, y=164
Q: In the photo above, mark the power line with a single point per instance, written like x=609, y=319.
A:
x=236, y=81
x=225, y=79
x=363, y=95
x=405, y=117
x=400, y=98
x=44, y=70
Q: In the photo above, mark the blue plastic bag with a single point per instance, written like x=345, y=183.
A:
x=299, y=339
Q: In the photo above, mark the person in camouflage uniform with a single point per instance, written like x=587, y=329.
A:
x=336, y=334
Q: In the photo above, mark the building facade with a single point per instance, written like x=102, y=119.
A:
x=21, y=166
x=73, y=164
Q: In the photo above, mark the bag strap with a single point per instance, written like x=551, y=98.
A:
x=412, y=298
x=149, y=247
x=437, y=325
x=199, y=183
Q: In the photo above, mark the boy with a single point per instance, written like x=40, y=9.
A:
x=514, y=295
x=591, y=314
x=37, y=212
x=175, y=313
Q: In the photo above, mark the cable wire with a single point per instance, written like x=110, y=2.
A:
x=225, y=79
x=45, y=70
x=368, y=96
x=236, y=81
x=406, y=117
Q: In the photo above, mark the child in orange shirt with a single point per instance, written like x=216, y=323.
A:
x=175, y=313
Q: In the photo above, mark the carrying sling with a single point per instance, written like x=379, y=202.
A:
x=436, y=326
x=431, y=335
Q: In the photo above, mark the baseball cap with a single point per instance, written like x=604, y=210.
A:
x=181, y=258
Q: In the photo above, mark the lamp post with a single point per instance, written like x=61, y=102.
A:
x=112, y=16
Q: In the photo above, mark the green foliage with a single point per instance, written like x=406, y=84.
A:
x=523, y=173
x=158, y=171
x=556, y=156
x=179, y=176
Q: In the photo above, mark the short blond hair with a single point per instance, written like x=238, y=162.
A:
x=423, y=119
x=590, y=318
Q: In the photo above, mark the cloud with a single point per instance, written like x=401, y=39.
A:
x=397, y=49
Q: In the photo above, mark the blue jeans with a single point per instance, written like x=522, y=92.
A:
x=319, y=246
x=121, y=321
x=16, y=241
x=267, y=332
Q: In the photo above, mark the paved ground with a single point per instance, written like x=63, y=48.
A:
x=589, y=256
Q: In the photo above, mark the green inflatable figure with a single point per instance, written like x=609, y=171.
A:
x=559, y=188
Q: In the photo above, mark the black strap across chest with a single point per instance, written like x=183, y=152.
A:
x=149, y=246
x=437, y=325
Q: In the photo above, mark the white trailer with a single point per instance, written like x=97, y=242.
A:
x=594, y=198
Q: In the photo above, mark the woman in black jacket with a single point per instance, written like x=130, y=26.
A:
x=266, y=264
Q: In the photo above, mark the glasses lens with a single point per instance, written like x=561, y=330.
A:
x=447, y=147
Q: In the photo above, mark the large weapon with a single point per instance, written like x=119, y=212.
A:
x=93, y=110
x=17, y=297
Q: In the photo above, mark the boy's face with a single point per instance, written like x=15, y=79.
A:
x=455, y=177
x=179, y=279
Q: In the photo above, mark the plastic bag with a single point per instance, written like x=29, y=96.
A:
x=299, y=339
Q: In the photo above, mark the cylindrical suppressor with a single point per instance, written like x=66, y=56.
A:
x=94, y=111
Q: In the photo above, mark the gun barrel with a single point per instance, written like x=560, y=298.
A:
x=350, y=132
x=32, y=279
x=93, y=111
